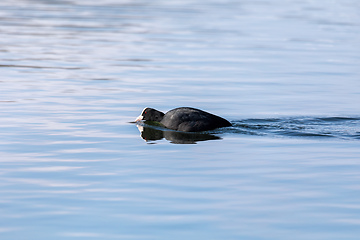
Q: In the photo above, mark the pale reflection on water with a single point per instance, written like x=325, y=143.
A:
x=75, y=73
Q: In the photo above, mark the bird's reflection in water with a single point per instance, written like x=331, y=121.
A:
x=150, y=133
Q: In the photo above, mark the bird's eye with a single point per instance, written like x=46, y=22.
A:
x=145, y=112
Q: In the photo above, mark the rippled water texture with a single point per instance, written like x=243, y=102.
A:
x=75, y=74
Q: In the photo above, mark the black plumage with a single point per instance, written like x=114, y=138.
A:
x=185, y=119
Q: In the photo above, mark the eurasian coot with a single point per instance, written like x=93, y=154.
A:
x=184, y=119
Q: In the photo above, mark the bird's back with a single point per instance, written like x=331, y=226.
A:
x=188, y=119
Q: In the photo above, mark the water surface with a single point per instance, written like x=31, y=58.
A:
x=75, y=73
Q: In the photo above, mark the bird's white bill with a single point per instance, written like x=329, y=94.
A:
x=139, y=118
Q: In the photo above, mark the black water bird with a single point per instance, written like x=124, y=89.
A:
x=184, y=119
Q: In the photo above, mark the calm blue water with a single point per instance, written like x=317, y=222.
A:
x=74, y=74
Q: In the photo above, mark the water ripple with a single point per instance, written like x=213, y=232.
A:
x=329, y=127
x=41, y=67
